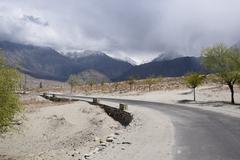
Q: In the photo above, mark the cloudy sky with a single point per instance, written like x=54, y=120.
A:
x=140, y=29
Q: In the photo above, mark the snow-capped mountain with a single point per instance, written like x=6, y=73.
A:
x=85, y=53
x=129, y=60
x=125, y=59
x=99, y=61
x=47, y=63
x=166, y=56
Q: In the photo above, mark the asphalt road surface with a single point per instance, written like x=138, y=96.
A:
x=199, y=134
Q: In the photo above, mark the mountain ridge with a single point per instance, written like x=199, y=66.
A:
x=168, y=68
x=47, y=63
x=167, y=56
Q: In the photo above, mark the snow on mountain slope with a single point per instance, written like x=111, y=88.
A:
x=166, y=56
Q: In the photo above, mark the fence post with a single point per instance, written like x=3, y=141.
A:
x=95, y=100
x=123, y=106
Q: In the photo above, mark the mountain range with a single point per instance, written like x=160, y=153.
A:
x=167, y=68
x=47, y=63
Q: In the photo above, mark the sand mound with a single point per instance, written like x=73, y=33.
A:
x=57, y=122
x=55, y=132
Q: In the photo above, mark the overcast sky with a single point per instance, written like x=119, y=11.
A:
x=140, y=29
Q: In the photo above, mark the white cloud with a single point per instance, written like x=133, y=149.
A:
x=140, y=28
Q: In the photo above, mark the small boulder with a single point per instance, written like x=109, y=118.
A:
x=109, y=139
x=103, y=144
x=86, y=156
x=126, y=143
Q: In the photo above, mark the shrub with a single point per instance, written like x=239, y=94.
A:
x=9, y=101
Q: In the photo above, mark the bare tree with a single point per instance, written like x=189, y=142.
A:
x=131, y=81
x=115, y=85
x=91, y=83
x=151, y=80
x=40, y=85
x=102, y=85
x=73, y=81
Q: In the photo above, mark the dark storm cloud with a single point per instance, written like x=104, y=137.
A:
x=35, y=20
x=139, y=28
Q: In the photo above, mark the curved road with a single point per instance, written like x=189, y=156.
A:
x=200, y=134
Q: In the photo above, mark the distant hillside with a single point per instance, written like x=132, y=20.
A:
x=168, y=68
x=102, y=63
x=39, y=62
x=46, y=63
x=91, y=74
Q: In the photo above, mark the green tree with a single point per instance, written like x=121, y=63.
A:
x=9, y=101
x=150, y=81
x=225, y=63
x=193, y=80
x=73, y=81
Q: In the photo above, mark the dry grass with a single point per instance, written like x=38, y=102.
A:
x=167, y=83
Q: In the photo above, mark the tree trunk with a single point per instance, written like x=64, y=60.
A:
x=194, y=94
x=71, y=89
x=25, y=83
x=232, y=93
x=149, y=88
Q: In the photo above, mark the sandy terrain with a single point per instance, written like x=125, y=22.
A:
x=83, y=131
x=151, y=137
x=59, y=132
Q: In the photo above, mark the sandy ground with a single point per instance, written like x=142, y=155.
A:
x=57, y=132
x=215, y=98
x=83, y=131
x=151, y=137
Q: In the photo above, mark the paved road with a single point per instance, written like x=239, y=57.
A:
x=199, y=134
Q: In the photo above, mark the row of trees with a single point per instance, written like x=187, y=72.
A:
x=74, y=81
x=224, y=62
x=150, y=81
